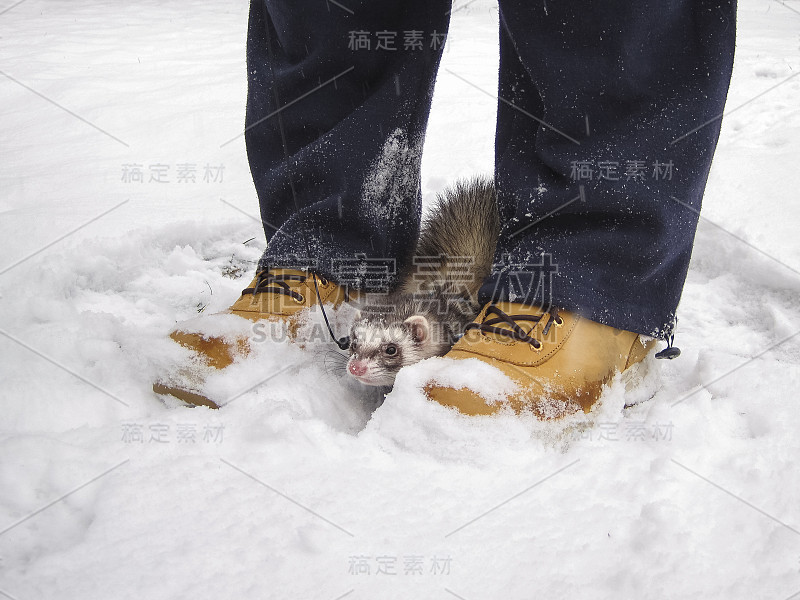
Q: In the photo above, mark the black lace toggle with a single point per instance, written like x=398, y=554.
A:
x=670, y=351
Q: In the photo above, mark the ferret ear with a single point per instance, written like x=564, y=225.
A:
x=420, y=330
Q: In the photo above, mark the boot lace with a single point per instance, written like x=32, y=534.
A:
x=271, y=283
x=514, y=331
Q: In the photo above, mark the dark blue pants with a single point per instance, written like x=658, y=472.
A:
x=608, y=117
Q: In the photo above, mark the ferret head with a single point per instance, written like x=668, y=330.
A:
x=379, y=349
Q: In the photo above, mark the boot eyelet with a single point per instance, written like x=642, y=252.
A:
x=537, y=348
x=558, y=322
x=300, y=299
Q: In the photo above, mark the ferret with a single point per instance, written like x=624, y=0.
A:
x=437, y=296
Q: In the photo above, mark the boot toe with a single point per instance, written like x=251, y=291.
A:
x=558, y=363
x=215, y=342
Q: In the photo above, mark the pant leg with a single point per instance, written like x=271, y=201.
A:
x=591, y=155
x=336, y=164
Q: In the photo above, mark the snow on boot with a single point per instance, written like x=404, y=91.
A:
x=558, y=362
x=280, y=297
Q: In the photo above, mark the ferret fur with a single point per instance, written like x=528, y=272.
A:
x=437, y=296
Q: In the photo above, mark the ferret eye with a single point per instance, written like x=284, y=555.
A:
x=391, y=350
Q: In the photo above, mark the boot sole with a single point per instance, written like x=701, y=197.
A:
x=184, y=395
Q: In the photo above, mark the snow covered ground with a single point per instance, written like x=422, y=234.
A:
x=298, y=489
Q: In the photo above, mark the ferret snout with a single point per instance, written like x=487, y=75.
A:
x=357, y=368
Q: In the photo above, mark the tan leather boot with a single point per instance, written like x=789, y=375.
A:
x=280, y=296
x=558, y=360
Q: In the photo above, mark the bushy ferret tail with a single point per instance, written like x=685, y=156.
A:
x=456, y=247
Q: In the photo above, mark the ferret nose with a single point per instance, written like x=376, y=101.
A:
x=357, y=368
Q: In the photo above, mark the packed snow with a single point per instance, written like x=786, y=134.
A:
x=127, y=207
